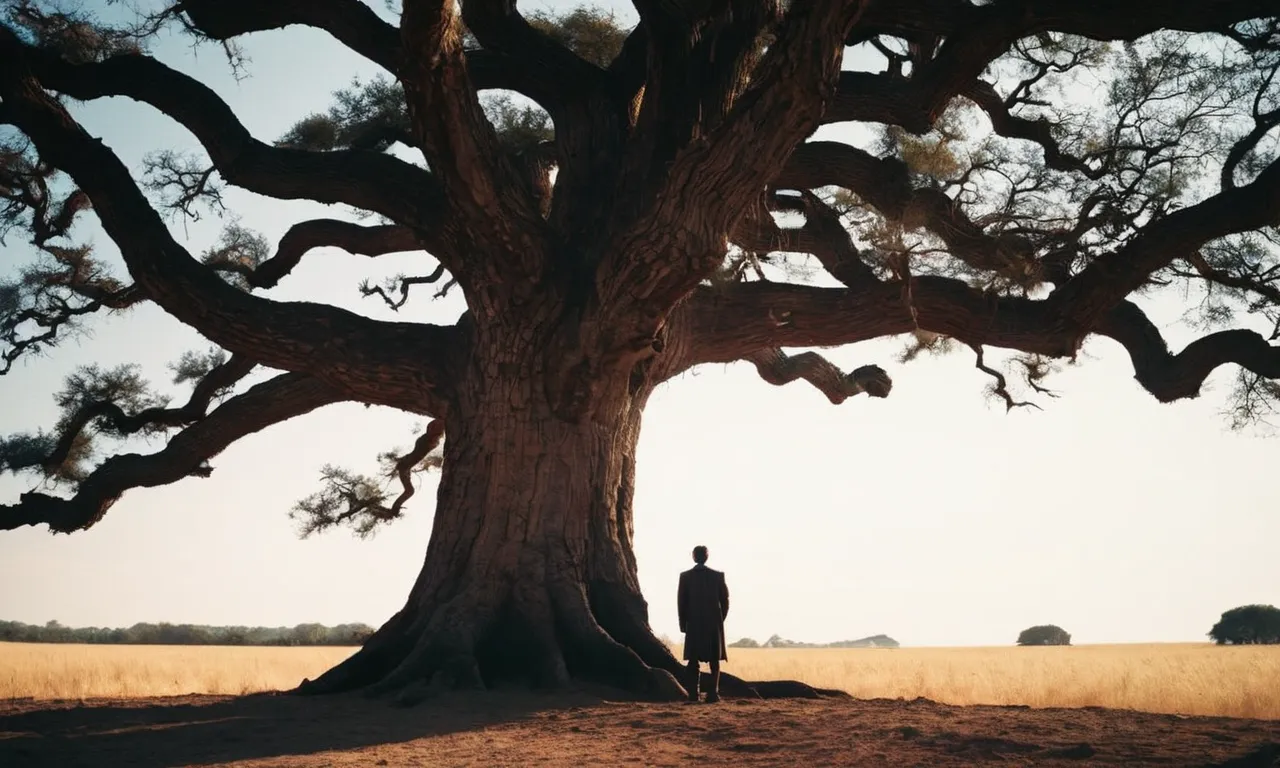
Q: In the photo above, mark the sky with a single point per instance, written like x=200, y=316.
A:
x=931, y=516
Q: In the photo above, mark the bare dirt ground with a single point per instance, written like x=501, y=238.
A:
x=528, y=729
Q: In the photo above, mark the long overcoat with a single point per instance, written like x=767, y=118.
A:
x=703, y=603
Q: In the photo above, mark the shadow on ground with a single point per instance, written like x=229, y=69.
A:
x=519, y=729
x=202, y=730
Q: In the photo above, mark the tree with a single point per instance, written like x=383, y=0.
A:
x=1248, y=625
x=631, y=204
x=1044, y=634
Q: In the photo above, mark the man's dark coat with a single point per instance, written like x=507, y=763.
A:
x=703, y=603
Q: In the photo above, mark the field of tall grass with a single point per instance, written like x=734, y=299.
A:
x=58, y=671
x=1192, y=679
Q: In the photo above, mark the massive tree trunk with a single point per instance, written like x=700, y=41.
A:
x=530, y=564
x=530, y=576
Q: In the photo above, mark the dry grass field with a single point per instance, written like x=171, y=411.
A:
x=1188, y=679
x=71, y=706
x=54, y=671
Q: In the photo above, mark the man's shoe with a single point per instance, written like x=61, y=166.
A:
x=713, y=693
x=693, y=686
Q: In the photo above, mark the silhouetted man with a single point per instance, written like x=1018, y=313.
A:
x=703, y=603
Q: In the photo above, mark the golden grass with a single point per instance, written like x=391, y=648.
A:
x=1192, y=679
x=56, y=671
x=1188, y=679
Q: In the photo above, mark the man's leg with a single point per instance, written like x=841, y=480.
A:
x=691, y=680
x=713, y=690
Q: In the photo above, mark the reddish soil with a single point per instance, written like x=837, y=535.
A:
x=526, y=729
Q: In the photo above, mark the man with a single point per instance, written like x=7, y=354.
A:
x=703, y=603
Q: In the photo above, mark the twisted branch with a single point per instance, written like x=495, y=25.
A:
x=779, y=368
x=425, y=444
x=302, y=237
x=1000, y=387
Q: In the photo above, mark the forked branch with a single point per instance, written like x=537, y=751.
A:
x=301, y=238
x=486, y=192
x=1000, y=386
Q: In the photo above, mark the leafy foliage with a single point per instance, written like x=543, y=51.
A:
x=77, y=36
x=237, y=253
x=520, y=127
x=46, y=300
x=372, y=115
x=592, y=33
x=194, y=366
x=361, y=502
x=369, y=115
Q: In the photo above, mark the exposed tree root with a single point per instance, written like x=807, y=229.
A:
x=553, y=638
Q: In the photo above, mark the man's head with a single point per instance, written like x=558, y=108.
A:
x=700, y=554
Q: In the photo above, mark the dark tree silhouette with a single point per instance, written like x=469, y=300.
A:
x=1248, y=625
x=1037, y=164
x=1044, y=634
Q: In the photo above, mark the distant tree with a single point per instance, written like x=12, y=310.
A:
x=1044, y=634
x=1248, y=625
x=745, y=642
x=308, y=634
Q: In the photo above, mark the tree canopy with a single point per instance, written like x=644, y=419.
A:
x=618, y=202
x=1044, y=634
x=1248, y=625
x=1028, y=174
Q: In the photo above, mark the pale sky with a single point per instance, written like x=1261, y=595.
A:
x=931, y=516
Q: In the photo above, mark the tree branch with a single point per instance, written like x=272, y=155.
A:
x=1040, y=131
x=331, y=233
x=499, y=27
x=735, y=321
x=886, y=184
x=485, y=191
x=779, y=368
x=974, y=35
x=1104, y=284
x=825, y=236
x=186, y=454
x=372, y=181
x=403, y=284
x=1000, y=386
x=351, y=22
x=215, y=382
x=425, y=444
x=1172, y=377
x=662, y=251
x=338, y=346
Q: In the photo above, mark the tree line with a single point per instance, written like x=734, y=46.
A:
x=185, y=634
